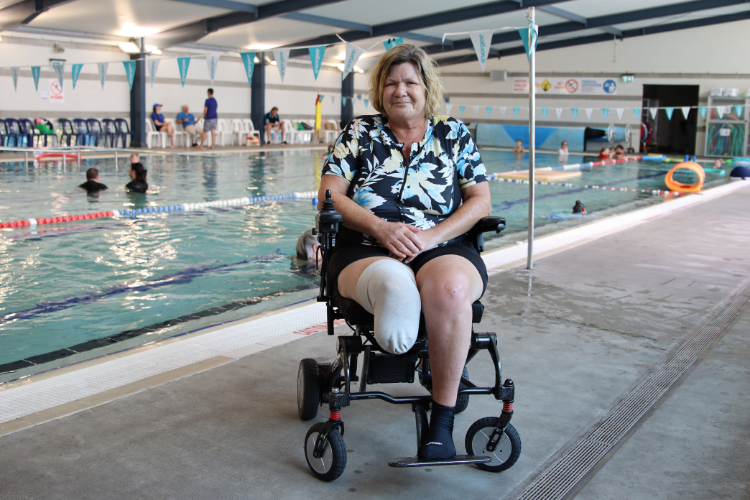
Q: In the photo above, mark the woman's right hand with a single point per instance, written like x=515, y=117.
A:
x=400, y=239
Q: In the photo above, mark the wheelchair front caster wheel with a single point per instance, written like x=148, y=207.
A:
x=507, y=451
x=308, y=389
x=331, y=465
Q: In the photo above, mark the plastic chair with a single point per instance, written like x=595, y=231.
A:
x=97, y=132
x=151, y=132
x=3, y=133
x=40, y=134
x=123, y=130
x=109, y=130
x=68, y=131
x=14, y=132
x=85, y=137
x=222, y=133
x=249, y=130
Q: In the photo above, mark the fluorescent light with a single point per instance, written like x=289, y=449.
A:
x=340, y=67
x=341, y=56
x=153, y=50
x=358, y=69
x=1, y=39
x=255, y=60
x=259, y=47
x=129, y=47
x=131, y=31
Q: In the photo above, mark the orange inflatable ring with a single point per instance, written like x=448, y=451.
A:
x=673, y=185
x=55, y=157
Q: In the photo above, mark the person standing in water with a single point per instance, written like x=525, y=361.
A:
x=138, y=175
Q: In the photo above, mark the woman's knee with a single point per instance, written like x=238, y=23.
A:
x=448, y=294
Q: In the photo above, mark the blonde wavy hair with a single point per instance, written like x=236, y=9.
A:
x=426, y=67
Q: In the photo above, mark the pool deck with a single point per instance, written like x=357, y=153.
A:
x=591, y=324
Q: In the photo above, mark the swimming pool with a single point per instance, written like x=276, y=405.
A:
x=78, y=290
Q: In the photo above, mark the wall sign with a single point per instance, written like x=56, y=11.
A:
x=567, y=85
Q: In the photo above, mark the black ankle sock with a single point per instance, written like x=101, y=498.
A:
x=440, y=438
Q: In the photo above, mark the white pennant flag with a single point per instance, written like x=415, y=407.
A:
x=14, y=75
x=102, y=72
x=353, y=53
x=653, y=112
x=282, y=58
x=559, y=112
x=212, y=61
x=685, y=111
x=619, y=113
x=448, y=108
x=153, y=66
x=482, y=41
x=502, y=111
x=476, y=110
x=588, y=113
x=720, y=110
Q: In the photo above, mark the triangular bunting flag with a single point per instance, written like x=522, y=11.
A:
x=352, y=55
x=316, y=58
x=392, y=42
x=212, y=62
x=14, y=75
x=153, y=67
x=703, y=111
x=502, y=111
x=75, y=72
x=544, y=113
x=636, y=112
x=59, y=68
x=588, y=113
x=619, y=113
x=333, y=99
x=35, y=72
x=183, y=63
x=738, y=108
x=720, y=110
x=482, y=41
x=343, y=100
x=102, y=67
x=575, y=113
x=489, y=111
x=476, y=110
x=367, y=102
x=526, y=33
x=559, y=112
x=462, y=109
x=448, y=109
x=653, y=111
x=685, y=111
x=515, y=112
x=248, y=59
x=359, y=97
x=605, y=112
x=130, y=72
x=282, y=58
x=669, y=112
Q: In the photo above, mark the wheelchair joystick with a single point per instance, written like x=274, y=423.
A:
x=327, y=223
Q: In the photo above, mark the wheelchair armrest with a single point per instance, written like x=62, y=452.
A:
x=485, y=225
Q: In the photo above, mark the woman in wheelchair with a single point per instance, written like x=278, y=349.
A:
x=409, y=185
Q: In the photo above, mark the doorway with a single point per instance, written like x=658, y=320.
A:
x=675, y=135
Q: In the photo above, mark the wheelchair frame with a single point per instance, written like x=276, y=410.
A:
x=334, y=379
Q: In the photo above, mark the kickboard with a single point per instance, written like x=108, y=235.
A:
x=540, y=175
x=457, y=460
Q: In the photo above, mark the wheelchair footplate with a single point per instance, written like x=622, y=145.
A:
x=457, y=460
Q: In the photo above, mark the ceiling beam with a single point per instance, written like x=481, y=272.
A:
x=599, y=22
x=223, y=4
x=556, y=11
x=422, y=22
x=195, y=31
x=632, y=33
x=25, y=11
x=328, y=21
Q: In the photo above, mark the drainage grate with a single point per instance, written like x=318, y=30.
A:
x=568, y=470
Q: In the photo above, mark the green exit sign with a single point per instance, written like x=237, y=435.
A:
x=628, y=78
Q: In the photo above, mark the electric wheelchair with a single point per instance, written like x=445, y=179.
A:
x=492, y=443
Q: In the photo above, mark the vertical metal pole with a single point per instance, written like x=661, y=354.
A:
x=532, y=138
x=347, y=90
x=138, y=101
x=115, y=160
x=258, y=97
x=26, y=159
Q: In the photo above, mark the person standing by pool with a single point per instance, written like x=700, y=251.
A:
x=210, y=119
x=187, y=119
x=161, y=124
x=138, y=175
x=92, y=184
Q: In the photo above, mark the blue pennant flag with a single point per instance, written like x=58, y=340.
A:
x=367, y=103
x=636, y=112
x=605, y=112
x=489, y=111
x=183, y=63
x=75, y=71
x=703, y=111
x=392, y=42
x=738, y=108
x=515, y=112
x=35, y=72
x=343, y=100
x=130, y=72
x=544, y=112
x=248, y=59
x=462, y=108
x=575, y=113
x=669, y=112
x=316, y=57
x=531, y=31
x=321, y=98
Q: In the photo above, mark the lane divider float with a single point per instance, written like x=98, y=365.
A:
x=493, y=177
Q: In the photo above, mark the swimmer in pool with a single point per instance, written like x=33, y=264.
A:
x=717, y=163
x=138, y=174
x=92, y=184
x=579, y=208
x=563, y=149
x=605, y=154
x=620, y=152
x=308, y=251
x=519, y=147
x=328, y=153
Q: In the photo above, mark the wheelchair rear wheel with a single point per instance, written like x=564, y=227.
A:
x=331, y=465
x=508, y=449
x=308, y=389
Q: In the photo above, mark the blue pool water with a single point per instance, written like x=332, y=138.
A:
x=71, y=291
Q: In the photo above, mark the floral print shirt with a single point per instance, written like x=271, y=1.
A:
x=421, y=192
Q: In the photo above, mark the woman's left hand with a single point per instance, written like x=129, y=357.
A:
x=429, y=241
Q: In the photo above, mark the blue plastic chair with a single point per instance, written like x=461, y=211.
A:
x=85, y=137
x=3, y=133
x=123, y=129
x=21, y=136
x=29, y=132
x=96, y=131
x=109, y=129
x=68, y=131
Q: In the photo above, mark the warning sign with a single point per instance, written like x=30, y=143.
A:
x=56, y=91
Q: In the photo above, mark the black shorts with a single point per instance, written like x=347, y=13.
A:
x=347, y=253
x=158, y=127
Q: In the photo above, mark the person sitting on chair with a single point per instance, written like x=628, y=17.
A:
x=187, y=119
x=409, y=185
x=273, y=123
x=161, y=125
